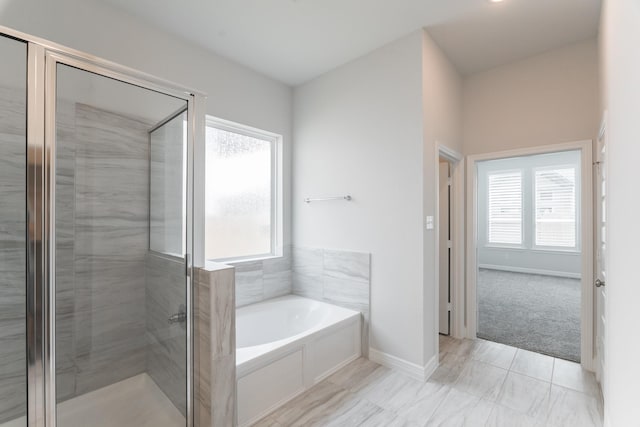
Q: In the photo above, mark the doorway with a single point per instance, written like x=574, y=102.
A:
x=529, y=268
x=449, y=271
x=444, y=244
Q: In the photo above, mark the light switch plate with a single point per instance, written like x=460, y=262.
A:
x=429, y=222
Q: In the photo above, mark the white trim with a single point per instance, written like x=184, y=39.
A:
x=410, y=369
x=472, y=247
x=277, y=186
x=586, y=207
x=451, y=155
x=601, y=144
x=458, y=327
x=457, y=223
x=539, y=249
x=199, y=178
x=530, y=271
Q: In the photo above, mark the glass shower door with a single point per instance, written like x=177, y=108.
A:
x=121, y=344
x=13, y=229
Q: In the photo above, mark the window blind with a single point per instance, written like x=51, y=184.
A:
x=505, y=208
x=555, y=198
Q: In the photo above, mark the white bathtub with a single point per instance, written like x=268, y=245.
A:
x=286, y=345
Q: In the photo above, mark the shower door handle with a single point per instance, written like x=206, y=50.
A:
x=179, y=317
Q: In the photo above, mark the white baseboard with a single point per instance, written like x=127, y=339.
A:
x=413, y=370
x=531, y=271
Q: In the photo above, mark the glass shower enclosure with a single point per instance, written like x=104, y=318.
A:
x=96, y=176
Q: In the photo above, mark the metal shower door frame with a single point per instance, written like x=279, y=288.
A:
x=43, y=58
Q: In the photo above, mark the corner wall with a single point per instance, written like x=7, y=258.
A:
x=442, y=121
x=369, y=129
x=358, y=131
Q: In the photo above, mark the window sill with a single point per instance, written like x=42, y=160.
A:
x=241, y=261
x=505, y=246
x=535, y=249
x=571, y=251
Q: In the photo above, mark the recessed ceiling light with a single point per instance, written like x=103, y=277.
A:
x=496, y=1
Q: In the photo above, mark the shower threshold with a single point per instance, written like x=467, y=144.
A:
x=136, y=401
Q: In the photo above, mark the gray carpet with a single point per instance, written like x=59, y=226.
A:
x=533, y=312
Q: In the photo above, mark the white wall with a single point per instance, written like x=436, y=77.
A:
x=442, y=116
x=546, y=99
x=369, y=129
x=234, y=92
x=358, y=131
x=620, y=40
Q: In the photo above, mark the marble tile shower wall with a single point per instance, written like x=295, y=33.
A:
x=167, y=343
x=337, y=277
x=12, y=254
x=101, y=245
x=112, y=301
x=260, y=280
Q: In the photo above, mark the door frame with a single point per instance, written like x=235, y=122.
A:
x=457, y=224
x=599, y=162
x=586, y=231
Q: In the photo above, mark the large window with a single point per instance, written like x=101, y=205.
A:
x=555, y=207
x=530, y=203
x=505, y=208
x=243, y=197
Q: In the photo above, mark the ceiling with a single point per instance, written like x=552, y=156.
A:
x=296, y=40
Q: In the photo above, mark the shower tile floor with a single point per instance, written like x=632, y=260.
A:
x=478, y=383
x=136, y=401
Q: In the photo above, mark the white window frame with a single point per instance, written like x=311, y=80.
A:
x=488, y=242
x=277, y=186
x=534, y=225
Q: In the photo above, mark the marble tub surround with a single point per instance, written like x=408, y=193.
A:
x=337, y=277
x=263, y=279
x=215, y=345
x=366, y=394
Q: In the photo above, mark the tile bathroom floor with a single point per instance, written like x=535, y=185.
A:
x=478, y=383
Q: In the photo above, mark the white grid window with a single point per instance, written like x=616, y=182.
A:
x=505, y=208
x=555, y=207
